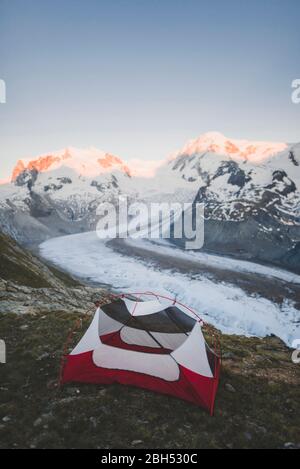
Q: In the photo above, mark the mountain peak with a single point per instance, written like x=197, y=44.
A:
x=88, y=162
x=216, y=142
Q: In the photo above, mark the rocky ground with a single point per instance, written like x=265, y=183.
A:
x=29, y=286
x=20, y=299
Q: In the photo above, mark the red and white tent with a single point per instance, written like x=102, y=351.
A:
x=152, y=344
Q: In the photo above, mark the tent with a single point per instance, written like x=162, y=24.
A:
x=155, y=344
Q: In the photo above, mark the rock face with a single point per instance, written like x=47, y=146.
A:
x=17, y=299
x=26, y=178
x=20, y=266
x=27, y=285
x=36, y=206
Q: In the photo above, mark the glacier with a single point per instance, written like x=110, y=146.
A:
x=222, y=304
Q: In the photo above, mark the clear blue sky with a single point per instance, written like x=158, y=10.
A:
x=138, y=78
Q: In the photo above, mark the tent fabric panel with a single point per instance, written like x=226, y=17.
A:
x=169, y=341
x=133, y=336
x=157, y=322
x=144, y=308
x=169, y=320
x=90, y=340
x=107, y=324
x=117, y=310
x=114, y=340
x=190, y=387
x=212, y=358
x=183, y=320
x=113, y=358
x=192, y=353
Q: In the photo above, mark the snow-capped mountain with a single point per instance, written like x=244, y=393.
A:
x=229, y=170
x=251, y=192
x=58, y=193
x=86, y=163
x=239, y=150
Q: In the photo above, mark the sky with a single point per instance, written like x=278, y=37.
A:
x=138, y=78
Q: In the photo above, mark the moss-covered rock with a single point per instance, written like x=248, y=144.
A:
x=19, y=265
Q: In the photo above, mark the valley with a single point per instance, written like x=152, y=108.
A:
x=250, y=191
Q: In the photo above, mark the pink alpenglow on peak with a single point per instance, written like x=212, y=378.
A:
x=89, y=162
x=215, y=142
x=92, y=162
